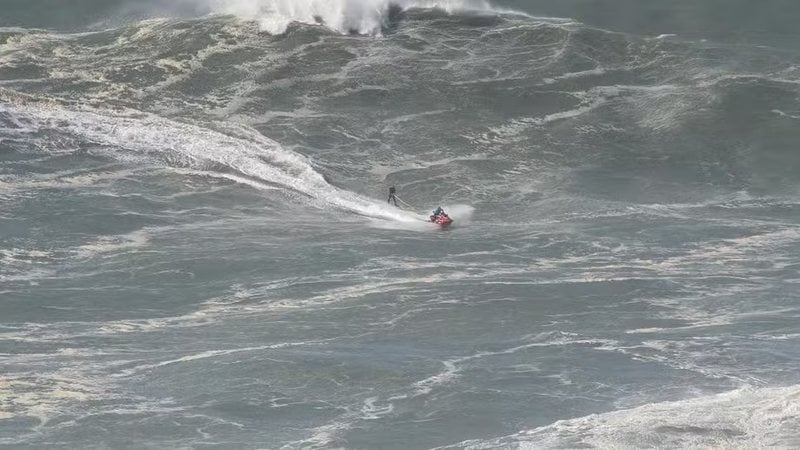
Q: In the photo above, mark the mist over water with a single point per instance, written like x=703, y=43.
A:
x=196, y=248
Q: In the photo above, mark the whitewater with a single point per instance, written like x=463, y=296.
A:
x=344, y=16
x=196, y=248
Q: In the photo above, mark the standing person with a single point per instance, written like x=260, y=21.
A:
x=392, y=196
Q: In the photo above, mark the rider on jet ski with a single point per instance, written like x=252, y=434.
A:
x=438, y=212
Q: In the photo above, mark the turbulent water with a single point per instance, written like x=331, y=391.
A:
x=196, y=249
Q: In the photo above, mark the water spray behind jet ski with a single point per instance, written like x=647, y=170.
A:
x=438, y=217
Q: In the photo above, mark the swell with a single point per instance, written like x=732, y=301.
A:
x=687, y=106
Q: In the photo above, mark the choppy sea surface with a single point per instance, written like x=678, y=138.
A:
x=196, y=249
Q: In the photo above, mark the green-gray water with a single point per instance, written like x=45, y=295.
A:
x=196, y=250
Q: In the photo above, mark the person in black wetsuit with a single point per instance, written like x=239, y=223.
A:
x=392, y=196
x=438, y=212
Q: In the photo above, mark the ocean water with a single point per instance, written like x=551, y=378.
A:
x=196, y=249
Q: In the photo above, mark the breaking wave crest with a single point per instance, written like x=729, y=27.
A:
x=344, y=16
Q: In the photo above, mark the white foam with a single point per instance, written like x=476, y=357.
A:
x=108, y=244
x=573, y=75
x=785, y=114
x=23, y=256
x=42, y=395
x=23, y=265
x=743, y=418
x=61, y=180
x=371, y=411
x=344, y=16
x=325, y=436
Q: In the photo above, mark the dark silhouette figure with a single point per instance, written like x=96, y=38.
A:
x=392, y=197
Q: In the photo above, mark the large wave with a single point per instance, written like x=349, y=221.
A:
x=345, y=16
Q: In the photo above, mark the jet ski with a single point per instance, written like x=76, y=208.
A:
x=443, y=220
x=439, y=217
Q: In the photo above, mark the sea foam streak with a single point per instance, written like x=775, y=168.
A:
x=345, y=16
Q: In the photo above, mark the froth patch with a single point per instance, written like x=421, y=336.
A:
x=344, y=16
x=60, y=180
x=785, y=114
x=110, y=244
x=18, y=264
x=18, y=255
x=42, y=397
x=743, y=418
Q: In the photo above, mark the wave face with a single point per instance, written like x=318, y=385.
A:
x=196, y=247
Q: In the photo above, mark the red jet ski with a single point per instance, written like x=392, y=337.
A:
x=441, y=218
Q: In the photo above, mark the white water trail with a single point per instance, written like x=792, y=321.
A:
x=234, y=152
x=344, y=16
